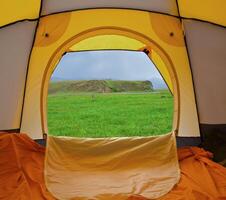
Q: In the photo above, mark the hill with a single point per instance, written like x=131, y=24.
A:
x=100, y=86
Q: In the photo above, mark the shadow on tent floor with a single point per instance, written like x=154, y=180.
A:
x=22, y=165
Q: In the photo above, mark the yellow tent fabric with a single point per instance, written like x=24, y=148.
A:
x=107, y=42
x=12, y=11
x=208, y=10
x=212, y=11
x=111, y=168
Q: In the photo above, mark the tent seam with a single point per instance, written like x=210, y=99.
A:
x=100, y=8
x=189, y=62
x=28, y=64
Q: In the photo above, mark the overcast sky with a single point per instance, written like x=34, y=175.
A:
x=116, y=65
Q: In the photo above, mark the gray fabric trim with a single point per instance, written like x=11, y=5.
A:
x=16, y=41
x=164, y=6
x=207, y=49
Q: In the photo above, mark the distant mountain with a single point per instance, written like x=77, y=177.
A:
x=158, y=83
x=55, y=78
x=100, y=86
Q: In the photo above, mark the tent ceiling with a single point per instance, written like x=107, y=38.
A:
x=208, y=10
x=15, y=10
x=108, y=42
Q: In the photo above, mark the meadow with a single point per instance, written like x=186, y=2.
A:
x=110, y=114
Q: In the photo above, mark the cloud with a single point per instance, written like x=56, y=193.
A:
x=119, y=65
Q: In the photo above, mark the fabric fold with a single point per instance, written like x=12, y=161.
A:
x=21, y=168
x=22, y=173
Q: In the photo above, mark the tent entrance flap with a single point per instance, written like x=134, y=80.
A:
x=111, y=168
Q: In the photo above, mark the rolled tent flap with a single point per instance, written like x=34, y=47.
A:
x=111, y=168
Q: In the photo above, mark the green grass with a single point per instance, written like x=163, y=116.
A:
x=110, y=115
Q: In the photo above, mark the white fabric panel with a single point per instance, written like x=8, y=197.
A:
x=15, y=46
x=54, y=6
x=207, y=49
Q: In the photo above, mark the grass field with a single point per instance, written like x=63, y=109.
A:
x=110, y=114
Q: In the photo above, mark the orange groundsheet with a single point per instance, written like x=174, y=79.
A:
x=22, y=164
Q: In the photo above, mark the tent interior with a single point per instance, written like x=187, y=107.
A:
x=186, y=41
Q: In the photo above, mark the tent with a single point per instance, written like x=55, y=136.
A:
x=186, y=40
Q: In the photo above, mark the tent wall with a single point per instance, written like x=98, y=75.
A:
x=207, y=50
x=72, y=27
x=16, y=43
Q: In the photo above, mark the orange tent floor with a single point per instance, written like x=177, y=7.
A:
x=22, y=178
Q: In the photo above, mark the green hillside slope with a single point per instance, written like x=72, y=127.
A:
x=100, y=86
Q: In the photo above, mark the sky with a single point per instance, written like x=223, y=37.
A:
x=115, y=65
